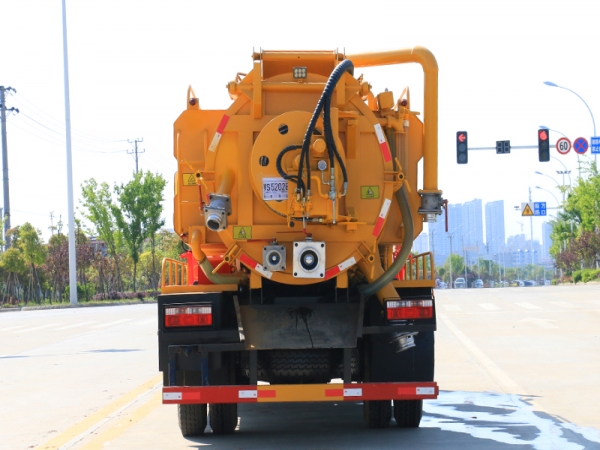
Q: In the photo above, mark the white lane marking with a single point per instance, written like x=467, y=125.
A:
x=13, y=328
x=145, y=321
x=68, y=327
x=452, y=308
x=116, y=322
x=564, y=304
x=542, y=323
x=505, y=383
x=527, y=305
x=489, y=306
x=27, y=330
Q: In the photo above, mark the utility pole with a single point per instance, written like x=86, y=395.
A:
x=135, y=151
x=450, y=237
x=3, y=109
x=531, y=229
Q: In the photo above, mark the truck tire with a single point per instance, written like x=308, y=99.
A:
x=223, y=418
x=408, y=413
x=192, y=419
x=378, y=413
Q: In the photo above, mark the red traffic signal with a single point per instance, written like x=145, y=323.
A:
x=462, y=147
x=543, y=145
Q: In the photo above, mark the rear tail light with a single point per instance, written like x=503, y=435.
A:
x=409, y=309
x=188, y=316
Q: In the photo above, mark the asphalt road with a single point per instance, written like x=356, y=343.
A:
x=516, y=366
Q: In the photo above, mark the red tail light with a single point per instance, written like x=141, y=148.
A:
x=188, y=316
x=410, y=309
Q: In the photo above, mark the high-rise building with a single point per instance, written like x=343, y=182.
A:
x=546, y=242
x=494, y=227
x=472, y=225
x=465, y=231
x=421, y=243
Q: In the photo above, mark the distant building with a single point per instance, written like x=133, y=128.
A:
x=546, y=243
x=421, y=243
x=494, y=227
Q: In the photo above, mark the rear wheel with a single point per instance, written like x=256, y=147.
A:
x=192, y=419
x=378, y=413
x=223, y=418
x=408, y=413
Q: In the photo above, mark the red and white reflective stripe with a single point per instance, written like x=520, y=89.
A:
x=383, y=145
x=333, y=271
x=215, y=140
x=245, y=259
x=382, y=215
x=299, y=393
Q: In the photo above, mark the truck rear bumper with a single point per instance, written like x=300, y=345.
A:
x=348, y=392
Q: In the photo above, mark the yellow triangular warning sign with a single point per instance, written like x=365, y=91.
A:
x=191, y=180
x=527, y=211
x=241, y=234
x=370, y=191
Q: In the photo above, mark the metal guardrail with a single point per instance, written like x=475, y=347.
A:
x=418, y=271
x=174, y=273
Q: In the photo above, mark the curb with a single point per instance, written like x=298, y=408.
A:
x=67, y=306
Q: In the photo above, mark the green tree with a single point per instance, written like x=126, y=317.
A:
x=154, y=186
x=138, y=213
x=14, y=264
x=97, y=200
x=34, y=252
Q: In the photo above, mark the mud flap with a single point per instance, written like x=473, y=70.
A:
x=270, y=327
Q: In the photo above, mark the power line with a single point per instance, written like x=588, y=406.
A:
x=62, y=124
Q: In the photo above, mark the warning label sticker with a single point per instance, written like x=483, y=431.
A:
x=527, y=211
x=242, y=232
x=367, y=192
x=189, y=179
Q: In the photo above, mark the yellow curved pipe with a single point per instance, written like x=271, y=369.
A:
x=207, y=268
x=425, y=58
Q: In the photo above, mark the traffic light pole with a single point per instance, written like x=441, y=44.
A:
x=516, y=147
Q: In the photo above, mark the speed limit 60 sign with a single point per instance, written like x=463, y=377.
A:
x=563, y=145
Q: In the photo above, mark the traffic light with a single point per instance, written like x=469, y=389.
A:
x=462, y=147
x=544, y=145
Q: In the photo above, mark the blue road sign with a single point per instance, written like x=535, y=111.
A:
x=595, y=144
x=580, y=145
x=539, y=208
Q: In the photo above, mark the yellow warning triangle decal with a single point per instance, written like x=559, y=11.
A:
x=191, y=180
x=370, y=191
x=241, y=234
x=527, y=211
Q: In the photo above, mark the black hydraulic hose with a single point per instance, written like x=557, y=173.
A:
x=341, y=68
x=329, y=139
x=284, y=175
x=407, y=241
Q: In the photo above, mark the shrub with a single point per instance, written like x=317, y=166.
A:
x=577, y=276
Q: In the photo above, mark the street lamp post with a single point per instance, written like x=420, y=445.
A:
x=550, y=83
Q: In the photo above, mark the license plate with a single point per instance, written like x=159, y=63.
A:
x=275, y=189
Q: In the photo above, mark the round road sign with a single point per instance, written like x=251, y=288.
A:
x=580, y=145
x=563, y=145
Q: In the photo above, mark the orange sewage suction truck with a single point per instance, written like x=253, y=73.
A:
x=297, y=207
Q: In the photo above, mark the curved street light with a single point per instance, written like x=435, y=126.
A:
x=550, y=192
x=550, y=83
x=560, y=187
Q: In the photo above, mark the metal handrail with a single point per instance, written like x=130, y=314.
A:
x=174, y=273
x=416, y=268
